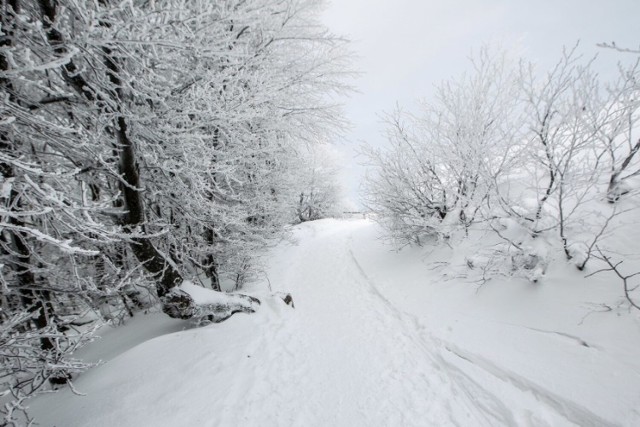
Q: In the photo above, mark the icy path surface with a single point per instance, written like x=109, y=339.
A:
x=366, y=345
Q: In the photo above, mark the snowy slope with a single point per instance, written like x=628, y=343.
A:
x=376, y=338
x=547, y=350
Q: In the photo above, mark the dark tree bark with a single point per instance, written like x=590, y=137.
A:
x=211, y=268
x=614, y=192
x=551, y=168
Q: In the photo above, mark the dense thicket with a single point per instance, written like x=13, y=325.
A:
x=143, y=143
x=534, y=162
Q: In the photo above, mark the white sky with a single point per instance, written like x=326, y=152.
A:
x=405, y=47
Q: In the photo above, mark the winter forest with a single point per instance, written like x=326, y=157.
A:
x=178, y=247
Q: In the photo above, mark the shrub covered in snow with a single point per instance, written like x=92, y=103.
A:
x=544, y=162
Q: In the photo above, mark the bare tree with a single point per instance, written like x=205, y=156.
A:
x=615, y=268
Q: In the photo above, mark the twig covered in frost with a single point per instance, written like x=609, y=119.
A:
x=625, y=278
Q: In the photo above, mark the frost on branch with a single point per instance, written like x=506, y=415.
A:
x=520, y=160
x=27, y=369
x=134, y=151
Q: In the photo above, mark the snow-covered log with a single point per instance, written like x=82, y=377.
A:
x=193, y=302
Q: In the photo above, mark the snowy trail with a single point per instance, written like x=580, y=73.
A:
x=356, y=359
x=340, y=348
x=353, y=352
x=353, y=358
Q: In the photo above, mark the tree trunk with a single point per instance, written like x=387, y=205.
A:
x=211, y=268
x=614, y=192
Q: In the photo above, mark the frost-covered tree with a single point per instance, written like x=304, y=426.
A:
x=204, y=99
x=406, y=191
x=318, y=191
x=521, y=155
x=142, y=143
x=618, y=133
x=443, y=164
x=576, y=131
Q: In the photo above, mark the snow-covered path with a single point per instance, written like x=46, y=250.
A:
x=353, y=352
x=347, y=357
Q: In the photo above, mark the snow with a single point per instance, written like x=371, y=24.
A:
x=377, y=337
x=202, y=296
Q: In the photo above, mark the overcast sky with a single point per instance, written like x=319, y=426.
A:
x=405, y=47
